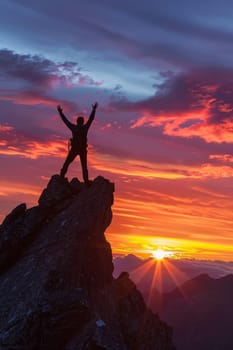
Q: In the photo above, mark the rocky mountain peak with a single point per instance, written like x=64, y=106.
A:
x=56, y=284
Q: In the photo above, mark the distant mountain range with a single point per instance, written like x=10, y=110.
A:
x=169, y=274
x=199, y=309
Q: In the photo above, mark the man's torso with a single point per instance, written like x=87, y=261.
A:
x=79, y=137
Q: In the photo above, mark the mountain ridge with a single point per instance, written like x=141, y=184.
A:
x=56, y=284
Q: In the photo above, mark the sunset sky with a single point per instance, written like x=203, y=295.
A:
x=162, y=73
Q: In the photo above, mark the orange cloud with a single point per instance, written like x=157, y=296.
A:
x=34, y=149
x=30, y=98
x=181, y=215
x=187, y=125
x=5, y=128
x=142, y=245
x=6, y=189
x=148, y=170
x=191, y=104
x=226, y=158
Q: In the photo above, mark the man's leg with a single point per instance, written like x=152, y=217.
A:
x=83, y=159
x=70, y=157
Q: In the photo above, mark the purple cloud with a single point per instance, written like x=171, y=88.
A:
x=33, y=74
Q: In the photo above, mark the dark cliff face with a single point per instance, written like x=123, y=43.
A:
x=56, y=284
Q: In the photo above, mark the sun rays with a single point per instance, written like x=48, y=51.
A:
x=160, y=254
x=156, y=275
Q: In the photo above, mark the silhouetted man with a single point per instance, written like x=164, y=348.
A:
x=78, y=141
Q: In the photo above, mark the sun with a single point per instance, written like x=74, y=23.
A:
x=160, y=254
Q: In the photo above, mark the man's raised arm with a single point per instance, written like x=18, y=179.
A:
x=63, y=117
x=92, y=115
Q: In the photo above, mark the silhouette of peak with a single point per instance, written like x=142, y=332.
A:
x=200, y=310
x=23, y=225
x=203, y=277
x=204, y=282
x=56, y=285
x=126, y=262
x=129, y=259
x=227, y=278
x=132, y=257
x=193, y=286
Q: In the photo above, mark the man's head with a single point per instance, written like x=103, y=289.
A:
x=80, y=120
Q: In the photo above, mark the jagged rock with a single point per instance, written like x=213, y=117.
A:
x=58, y=190
x=56, y=288
x=14, y=217
x=136, y=319
x=16, y=231
x=77, y=185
